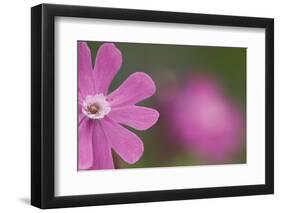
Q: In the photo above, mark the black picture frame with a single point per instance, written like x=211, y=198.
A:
x=43, y=102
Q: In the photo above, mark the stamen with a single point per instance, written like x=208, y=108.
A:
x=92, y=108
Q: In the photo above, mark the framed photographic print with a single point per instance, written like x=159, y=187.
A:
x=139, y=106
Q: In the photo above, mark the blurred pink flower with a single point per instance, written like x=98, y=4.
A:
x=203, y=119
x=100, y=113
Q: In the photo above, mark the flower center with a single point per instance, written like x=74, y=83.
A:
x=92, y=109
x=95, y=106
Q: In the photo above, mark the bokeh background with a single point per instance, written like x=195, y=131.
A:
x=173, y=68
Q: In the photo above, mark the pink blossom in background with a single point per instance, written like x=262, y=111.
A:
x=101, y=115
x=203, y=119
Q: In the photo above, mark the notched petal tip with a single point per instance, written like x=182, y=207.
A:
x=108, y=45
x=110, y=53
x=83, y=47
x=138, y=117
x=138, y=150
x=108, y=62
x=154, y=118
x=149, y=119
x=137, y=157
x=148, y=81
x=137, y=87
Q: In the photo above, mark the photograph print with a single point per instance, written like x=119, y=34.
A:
x=160, y=105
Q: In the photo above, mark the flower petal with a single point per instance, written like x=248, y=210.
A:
x=140, y=118
x=80, y=103
x=108, y=62
x=102, y=156
x=137, y=87
x=85, y=154
x=81, y=115
x=85, y=70
x=128, y=145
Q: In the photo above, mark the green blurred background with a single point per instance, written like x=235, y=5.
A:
x=166, y=63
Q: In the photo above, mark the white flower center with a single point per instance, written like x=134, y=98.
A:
x=95, y=106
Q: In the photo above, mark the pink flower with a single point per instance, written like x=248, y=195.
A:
x=203, y=119
x=101, y=115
